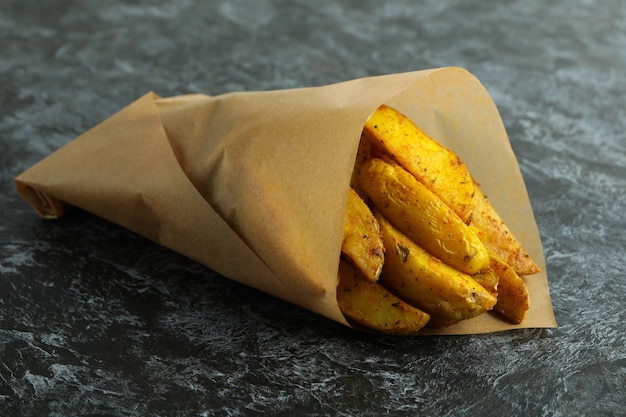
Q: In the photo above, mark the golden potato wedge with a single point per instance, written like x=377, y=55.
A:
x=362, y=242
x=422, y=216
x=497, y=237
x=513, y=301
x=488, y=279
x=425, y=282
x=371, y=305
x=437, y=167
x=364, y=153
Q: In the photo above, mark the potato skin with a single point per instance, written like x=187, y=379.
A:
x=422, y=216
x=488, y=279
x=497, y=237
x=513, y=301
x=437, y=167
x=371, y=305
x=362, y=242
x=364, y=154
x=422, y=280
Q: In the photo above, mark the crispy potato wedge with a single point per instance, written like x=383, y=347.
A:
x=425, y=282
x=371, y=305
x=437, y=167
x=362, y=242
x=422, y=216
x=364, y=153
x=513, y=301
x=497, y=237
x=488, y=279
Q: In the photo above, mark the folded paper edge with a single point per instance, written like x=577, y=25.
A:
x=47, y=206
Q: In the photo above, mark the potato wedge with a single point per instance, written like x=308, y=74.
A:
x=362, y=242
x=422, y=216
x=488, y=279
x=364, y=153
x=437, y=167
x=497, y=237
x=425, y=282
x=371, y=305
x=513, y=301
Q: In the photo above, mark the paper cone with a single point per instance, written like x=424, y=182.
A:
x=254, y=185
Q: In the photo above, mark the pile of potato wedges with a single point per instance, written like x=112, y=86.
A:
x=422, y=245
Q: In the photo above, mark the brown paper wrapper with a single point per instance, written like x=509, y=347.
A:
x=254, y=185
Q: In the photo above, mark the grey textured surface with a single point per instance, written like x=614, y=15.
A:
x=97, y=321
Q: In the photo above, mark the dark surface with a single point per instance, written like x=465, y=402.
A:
x=95, y=320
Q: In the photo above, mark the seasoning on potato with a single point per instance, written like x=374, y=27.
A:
x=422, y=216
x=371, y=305
x=362, y=241
x=434, y=165
x=424, y=281
x=417, y=220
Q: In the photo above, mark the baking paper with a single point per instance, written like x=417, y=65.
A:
x=254, y=185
